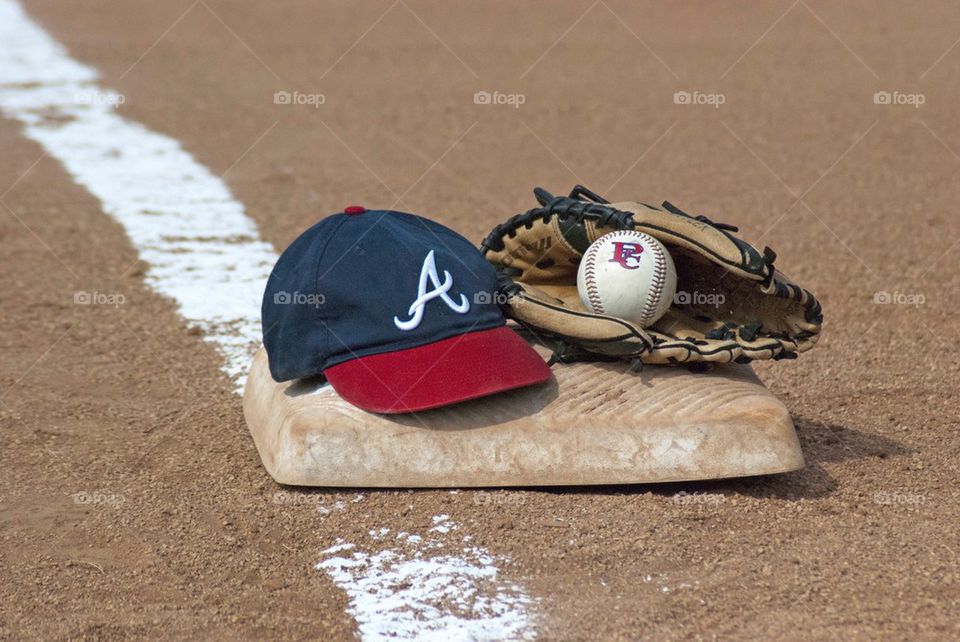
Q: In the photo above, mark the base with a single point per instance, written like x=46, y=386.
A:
x=592, y=423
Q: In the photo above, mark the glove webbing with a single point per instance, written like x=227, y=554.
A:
x=563, y=207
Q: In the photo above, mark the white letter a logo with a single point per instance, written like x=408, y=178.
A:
x=429, y=272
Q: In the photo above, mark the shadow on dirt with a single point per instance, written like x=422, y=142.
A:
x=821, y=443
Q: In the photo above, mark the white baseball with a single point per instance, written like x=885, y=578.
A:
x=629, y=275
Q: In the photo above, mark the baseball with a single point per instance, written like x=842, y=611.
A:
x=629, y=275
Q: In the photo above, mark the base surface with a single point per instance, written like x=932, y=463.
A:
x=592, y=423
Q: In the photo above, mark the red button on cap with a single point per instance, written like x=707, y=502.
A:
x=354, y=209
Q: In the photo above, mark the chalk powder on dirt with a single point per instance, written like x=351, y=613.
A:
x=205, y=253
x=434, y=587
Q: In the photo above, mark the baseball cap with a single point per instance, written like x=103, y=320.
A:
x=397, y=311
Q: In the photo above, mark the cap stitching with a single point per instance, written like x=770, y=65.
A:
x=319, y=318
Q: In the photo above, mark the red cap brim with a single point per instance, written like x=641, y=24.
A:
x=463, y=367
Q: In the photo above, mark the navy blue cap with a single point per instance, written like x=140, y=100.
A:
x=396, y=310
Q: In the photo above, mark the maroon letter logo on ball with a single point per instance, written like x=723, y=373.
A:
x=627, y=254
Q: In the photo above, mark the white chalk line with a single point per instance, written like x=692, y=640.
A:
x=437, y=587
x=205, y=254
x=201, y=249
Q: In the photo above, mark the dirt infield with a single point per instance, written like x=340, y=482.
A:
x=133, y=501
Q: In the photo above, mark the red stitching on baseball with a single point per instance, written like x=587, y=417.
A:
x=656, y=286
x=590, y=279
x=659, y=277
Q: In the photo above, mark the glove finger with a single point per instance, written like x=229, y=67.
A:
x=671, y=349
x=760, y=348
x=604, y=335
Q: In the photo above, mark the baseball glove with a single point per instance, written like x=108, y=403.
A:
x=731, y=303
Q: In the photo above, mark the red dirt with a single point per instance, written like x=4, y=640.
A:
x=856, y=198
